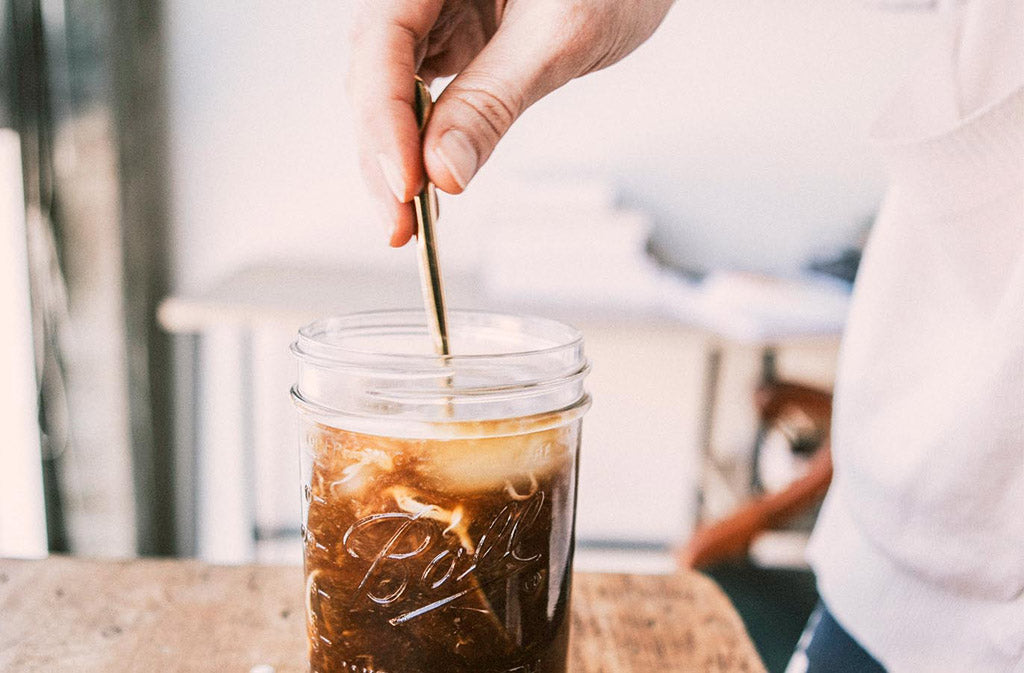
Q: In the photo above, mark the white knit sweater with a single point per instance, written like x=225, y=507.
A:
x=920, y=546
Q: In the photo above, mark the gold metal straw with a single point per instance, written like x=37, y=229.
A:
x=426, y=242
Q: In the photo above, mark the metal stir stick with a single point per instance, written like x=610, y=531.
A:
x=426, y=243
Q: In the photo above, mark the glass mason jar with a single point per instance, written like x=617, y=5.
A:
x=439, y=493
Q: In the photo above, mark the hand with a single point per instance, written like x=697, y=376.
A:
x=507, y=53
x=726, y=540
x=731, y=537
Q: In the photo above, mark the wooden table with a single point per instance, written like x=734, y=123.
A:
x=66, y=615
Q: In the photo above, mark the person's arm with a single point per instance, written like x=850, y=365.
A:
x=731, y=537
x=507, y=53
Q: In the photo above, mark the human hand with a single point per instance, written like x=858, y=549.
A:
x=507, y=53
x=722, y=541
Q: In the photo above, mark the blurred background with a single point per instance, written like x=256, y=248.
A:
x=179, y=193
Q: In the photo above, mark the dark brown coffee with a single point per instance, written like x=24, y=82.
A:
x=440, y=555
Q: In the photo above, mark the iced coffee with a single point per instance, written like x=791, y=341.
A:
x=438, y=511
x=442, y=555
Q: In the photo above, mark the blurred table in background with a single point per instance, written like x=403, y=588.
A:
x=648, y=440
x=238, y=436
x=64, y=615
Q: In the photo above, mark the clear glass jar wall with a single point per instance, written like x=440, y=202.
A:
x=439, y=493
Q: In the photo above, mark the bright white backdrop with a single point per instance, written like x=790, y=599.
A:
x=740, y=129
x=740, y=126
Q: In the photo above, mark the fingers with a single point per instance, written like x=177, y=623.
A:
x=403, y=222
x=396, y=219
x=479, y=106
x=537, y=48
x=386, y=40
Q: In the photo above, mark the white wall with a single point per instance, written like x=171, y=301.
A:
x=22, y=512
x=740, y=126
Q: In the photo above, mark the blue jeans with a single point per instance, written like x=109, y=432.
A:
x=826, y=647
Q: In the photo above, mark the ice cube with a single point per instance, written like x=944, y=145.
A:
x=492, y=463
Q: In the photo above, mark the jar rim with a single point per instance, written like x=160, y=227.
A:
x=310, y=346
x=380, y=365
x=465, y=428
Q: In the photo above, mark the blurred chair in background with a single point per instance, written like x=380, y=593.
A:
x=775, y=602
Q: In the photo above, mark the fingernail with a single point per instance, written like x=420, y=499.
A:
x=392, y=176
x=458, y=155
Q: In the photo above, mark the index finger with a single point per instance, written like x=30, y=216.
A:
x=385, y=41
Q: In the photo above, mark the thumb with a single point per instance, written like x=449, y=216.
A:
x=477, y=108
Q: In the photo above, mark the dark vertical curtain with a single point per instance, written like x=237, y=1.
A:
x=82, y=85
x=140, y=112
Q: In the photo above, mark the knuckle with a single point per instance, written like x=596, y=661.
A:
x=579, y=19
x=579, y=31
x=496, y=104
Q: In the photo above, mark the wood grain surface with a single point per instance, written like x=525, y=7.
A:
x=66, y=615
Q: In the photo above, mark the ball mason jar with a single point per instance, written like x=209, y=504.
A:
x=439, y=494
